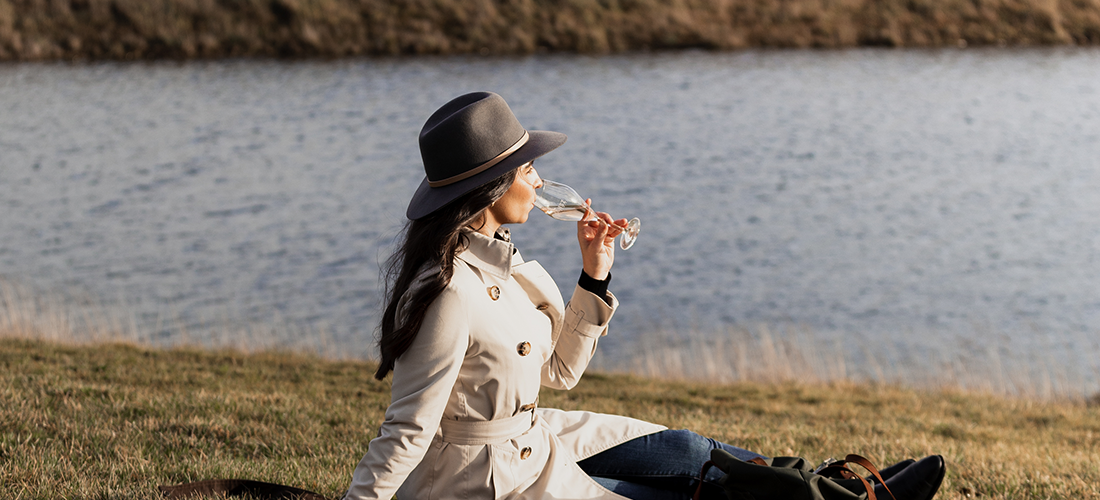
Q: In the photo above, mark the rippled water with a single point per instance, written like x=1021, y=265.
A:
x=909, y=199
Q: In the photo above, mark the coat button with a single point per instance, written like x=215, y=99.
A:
x=542, y=307
x=524, y=348
x=524, y=453
x=494, y=292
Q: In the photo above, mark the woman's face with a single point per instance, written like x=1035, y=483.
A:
x=517, y=202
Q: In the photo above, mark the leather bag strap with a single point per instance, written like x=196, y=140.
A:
x=841, y=468
x=702, y=474
x=866, y=464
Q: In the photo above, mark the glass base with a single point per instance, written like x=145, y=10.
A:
x=630, y=234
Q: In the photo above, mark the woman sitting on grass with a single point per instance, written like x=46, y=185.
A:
x=471, y=331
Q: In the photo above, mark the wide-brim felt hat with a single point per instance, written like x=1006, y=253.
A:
x=468, y=142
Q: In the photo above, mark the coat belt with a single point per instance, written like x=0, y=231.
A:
x=486, y=431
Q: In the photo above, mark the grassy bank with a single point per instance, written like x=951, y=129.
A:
x=115, y=420
x=149, y=29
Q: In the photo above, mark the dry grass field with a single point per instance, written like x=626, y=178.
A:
x=90, y=410
x=113, y=420
x=181, y=29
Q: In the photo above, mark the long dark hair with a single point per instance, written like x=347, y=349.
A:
x=434, y=240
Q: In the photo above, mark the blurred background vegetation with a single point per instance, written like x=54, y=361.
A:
x=186, y=29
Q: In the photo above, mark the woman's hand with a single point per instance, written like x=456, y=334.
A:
x=596, y=239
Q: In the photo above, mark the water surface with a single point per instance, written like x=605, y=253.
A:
x=917, y=202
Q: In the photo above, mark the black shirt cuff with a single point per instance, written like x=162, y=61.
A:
x=597, y=287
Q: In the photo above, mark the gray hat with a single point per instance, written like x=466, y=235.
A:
x=468, y=142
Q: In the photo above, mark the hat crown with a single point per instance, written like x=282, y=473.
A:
x=467, y=132
x=468, y=142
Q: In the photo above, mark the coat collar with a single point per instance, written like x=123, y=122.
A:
x=491, y=255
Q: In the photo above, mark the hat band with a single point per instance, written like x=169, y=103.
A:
x=484, y=166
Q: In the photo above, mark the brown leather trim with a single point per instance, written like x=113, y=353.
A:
x=866, y=464
x=702, y=473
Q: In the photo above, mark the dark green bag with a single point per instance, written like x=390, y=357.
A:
x=790, y=478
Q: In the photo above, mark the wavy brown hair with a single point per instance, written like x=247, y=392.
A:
x=432, y=241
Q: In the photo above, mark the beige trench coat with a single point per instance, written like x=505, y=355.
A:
x=462, y=421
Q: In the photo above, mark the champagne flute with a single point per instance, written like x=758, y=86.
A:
x=563, y=203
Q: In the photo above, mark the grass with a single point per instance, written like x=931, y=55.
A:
x=89, y=409
x=150, y=29
x=113, y=420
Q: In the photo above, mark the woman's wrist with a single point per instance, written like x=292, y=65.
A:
x=595, y=286
x=595, y=272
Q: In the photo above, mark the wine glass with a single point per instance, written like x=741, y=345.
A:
x=563, y=203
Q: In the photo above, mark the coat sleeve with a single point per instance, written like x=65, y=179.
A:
x=585, y=321
x=423, y=379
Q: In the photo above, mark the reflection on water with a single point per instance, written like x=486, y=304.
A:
x=911, y=201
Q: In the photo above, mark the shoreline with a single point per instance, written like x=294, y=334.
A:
x=736, y=355
x=92, y=30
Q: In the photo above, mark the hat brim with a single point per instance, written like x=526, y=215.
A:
x=428, y=199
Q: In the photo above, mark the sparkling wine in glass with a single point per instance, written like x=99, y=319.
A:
x=563, y=203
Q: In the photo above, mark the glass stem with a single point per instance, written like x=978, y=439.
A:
x=594, y=217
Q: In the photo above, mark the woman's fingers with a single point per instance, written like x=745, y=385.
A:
x=600, y=228
x=614, y=227
x=591, y=230
x=596, y=237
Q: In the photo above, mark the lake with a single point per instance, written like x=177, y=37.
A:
x=924, y=208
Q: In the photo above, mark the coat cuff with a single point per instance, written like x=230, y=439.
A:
x=588, y=314
x=598, y=287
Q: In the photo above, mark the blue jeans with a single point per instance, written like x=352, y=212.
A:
x=664, y=466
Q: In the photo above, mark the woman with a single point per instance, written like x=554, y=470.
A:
x=471, y=331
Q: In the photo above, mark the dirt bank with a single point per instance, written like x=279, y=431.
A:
x=184, y=29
